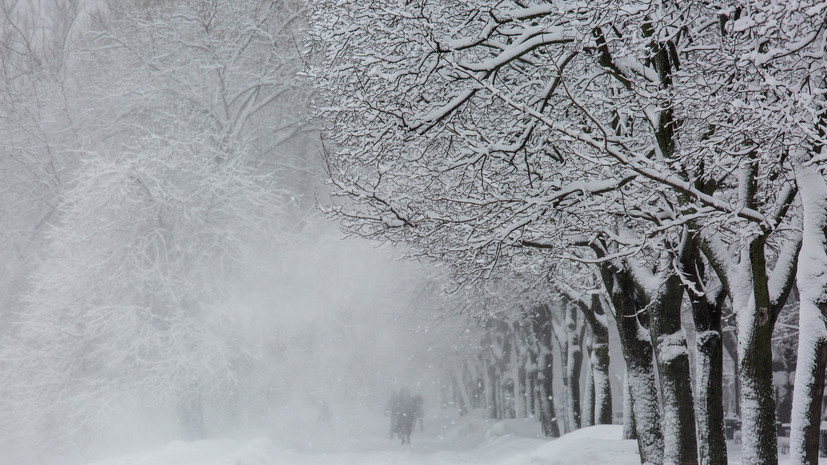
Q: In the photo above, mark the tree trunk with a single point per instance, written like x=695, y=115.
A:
x=640, y=373
x=757, y=394
x=541, y=325
x=595, y=316
x=489, y=385
x=710, y=405
x=730, y=343
x=573, y=367
x=680, y=442
x=548, y=419
x=520, y=401
x=602, y=385
x=757, y=311
x=531, y=384
x=588, y=394
x=812, y=336
x=462, y=388
x=560, y=335
x=707, y=297
x=629, y=428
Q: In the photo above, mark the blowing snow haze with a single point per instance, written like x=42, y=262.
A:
x=166, y=272
x=257, y=232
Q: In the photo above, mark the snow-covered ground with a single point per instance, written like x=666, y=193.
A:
x=444, y=441
x=469, y=440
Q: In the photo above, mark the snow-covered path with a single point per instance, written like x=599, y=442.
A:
x=477, y=443
x=467, y=442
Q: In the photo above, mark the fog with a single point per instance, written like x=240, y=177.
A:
x=336, y=322
x=324, y=321
x=168, y=273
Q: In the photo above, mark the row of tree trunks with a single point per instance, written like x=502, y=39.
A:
x=599, y=410
x=515, y=370
x=757, y=295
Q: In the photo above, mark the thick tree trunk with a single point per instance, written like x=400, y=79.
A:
x=812, y=336
x=602, y=386
x=707, y=297
x=595, y=316
x=710, y=403
x=757, y=311
x=462, y=390
x=541, y=326
x=757, y=394
x=680, y=442
x=730, y=343
x=809, y=386
x=548, y=419
x=599, y=358
x=629, y=428
x=560, y=335
x=640, y=373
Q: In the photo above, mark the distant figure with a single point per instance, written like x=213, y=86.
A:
x=406, y=416
x=324, y=413
x=392, y=411
x=419, y=404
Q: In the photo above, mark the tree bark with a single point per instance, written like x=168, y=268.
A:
x=757, y=394
x=541, y=322
x=595, y=316
x=531, y=383
x=730, y=343
x=812, y=336
x=757, y=312
x=490, y=387
x=626, y=299
x=548, y=419
x=520, y=401
x=707, y=297
x=573, y=367
x=629, y=428
x=680, y=441
x=637, y=351
x=560, y=335
x=588, y=393
x=602, y=386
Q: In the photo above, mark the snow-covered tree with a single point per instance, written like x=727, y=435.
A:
x=474, y=131
x=188, y=121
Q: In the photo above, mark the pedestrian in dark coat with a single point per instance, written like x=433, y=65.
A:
x=407, y=416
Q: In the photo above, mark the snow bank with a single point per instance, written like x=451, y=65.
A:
x=595, y=445
x=524, y=428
